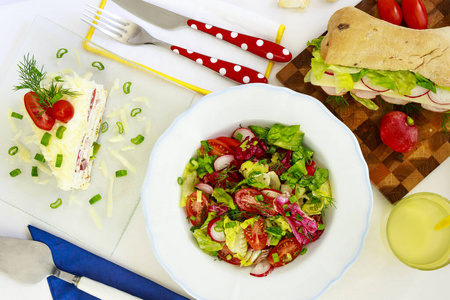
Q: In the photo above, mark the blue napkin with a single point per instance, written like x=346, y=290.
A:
x=77, y=261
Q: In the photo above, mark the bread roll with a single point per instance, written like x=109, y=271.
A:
x=356, y=39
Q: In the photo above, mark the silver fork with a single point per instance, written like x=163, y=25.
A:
x=130, y=33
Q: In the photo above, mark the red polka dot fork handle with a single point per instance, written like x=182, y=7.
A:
x=235, y=72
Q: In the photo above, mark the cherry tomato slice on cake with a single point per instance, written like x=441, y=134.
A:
x=415, y=14
x=63, y=111
x=255, y=234
x=285, y=252
x=42, y=118
x=390, y=11
x=197, y=211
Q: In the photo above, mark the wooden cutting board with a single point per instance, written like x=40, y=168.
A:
x=394, y=174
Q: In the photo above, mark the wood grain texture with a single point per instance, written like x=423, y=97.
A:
x=394, y=174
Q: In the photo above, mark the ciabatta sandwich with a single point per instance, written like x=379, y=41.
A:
x=367, y=57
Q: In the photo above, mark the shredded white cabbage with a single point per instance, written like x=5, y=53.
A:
x=95, y=217
x=123, y=160
x=110, y=196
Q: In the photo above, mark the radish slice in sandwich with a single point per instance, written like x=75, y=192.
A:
x=206, y=188
x=331, y=90
x=262, y=269
x=376, y=88
x=417, y=92
x=364, y=94
x=394, y=100
x=440, y=97
x=223, y=162
x=216, y=235
x=241, y=133
x=434, y=108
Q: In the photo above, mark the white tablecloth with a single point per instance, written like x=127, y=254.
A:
x=376, y=274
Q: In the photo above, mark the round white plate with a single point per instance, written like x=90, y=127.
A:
x=336, y=148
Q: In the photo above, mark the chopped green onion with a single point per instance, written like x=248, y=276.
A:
x=292, y=199
x=303, y=251
x=16, y=115
x=135, y=112
x=209, y=169
x=288, y=214
x=180, y=181
x=137, y=140
x=58, y=79
x=193, y=218
x=121, y=173
x=299, y=218
x=321, y=226
x=56, y=98
x=229, y=257
x=96, y=147
x=60, y=131
x=59, y=160
x=56, y=204
x=239, y=136
x=259, y=198
x=126, y=87
x=15, y=172
x=46, y=139
x=98, y=65
x=206, y=146
x=13, y=150
x=104, y=127
x=95, y=199
x=275, y=257
x=61, y=52
x=120, y=125
x=39, y=157
x=34, y=171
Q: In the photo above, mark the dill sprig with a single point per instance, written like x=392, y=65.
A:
x=337, y=102
x=445, y=123
x=31, y=76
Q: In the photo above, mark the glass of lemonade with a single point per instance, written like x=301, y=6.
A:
x=411, y=235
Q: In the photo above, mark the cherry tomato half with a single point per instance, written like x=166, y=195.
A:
x=218, y=148
x=42, y=118
x=232, y=143
x=285, y=252
x=225, y=254
x=390, y=11
x=246, y=200
x=197, y=211
x=63, y=111
x=415, y=14
x=255, y=234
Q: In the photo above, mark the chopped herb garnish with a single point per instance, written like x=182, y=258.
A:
x=45, y=140
x=180, y=181
x=61, y=52
x=135, y=112
x=16, y=115
x=320, y=226
x=34, y=171
x=120, y=126
x=15, y=172
x=126, y=87
x=95, y=199
x=13, y=150
x=60, y=132
x=121, y=173
x=59, y=160
x=303, y=251
x=56, y=204
x=98, y=65
x=104, y=127
x=137, y=140
x=275, y=257
x=39, y=157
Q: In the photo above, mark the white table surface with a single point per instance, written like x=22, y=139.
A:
x=376, y=274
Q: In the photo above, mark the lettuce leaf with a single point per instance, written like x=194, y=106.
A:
x=286, y=137
x=235, y=238
x=366, y=102
x=223, y=197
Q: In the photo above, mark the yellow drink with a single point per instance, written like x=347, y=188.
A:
x=411, y=235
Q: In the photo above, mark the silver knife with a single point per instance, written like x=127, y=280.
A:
x=171, y=21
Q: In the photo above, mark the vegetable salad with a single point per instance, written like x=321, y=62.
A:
x=256, y=198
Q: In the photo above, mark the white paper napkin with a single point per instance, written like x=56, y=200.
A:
x=214, y=12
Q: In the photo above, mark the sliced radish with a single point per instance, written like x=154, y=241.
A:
x=271, y=193
x=204, y=187
x=434, y=108
x=394, y=100
x=376, y=88
x=440, y=97
x=331, y=90
x=285, y=188
x=218, y=236
x=223, y=162
x=262, y=269
x=364, y=94
x=417, y=92
x=329, y=73
x=241, y=133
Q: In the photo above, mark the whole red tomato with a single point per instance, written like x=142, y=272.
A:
x=415, y=14
x=390, y=11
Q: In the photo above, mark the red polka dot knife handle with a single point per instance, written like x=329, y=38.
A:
x=227, y=69
x=260, y=47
